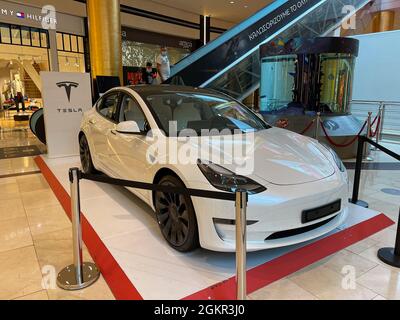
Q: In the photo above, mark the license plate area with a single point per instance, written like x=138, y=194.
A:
x=321, y=212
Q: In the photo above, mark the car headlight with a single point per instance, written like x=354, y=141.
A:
x=226, y=180
x=335, y=156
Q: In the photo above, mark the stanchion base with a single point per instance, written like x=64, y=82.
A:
x=387, y=256
x=67, y=277
x=361, y=203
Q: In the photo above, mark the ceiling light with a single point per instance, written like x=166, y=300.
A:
x=232, y=2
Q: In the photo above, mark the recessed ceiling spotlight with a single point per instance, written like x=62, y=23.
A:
x=232, y=2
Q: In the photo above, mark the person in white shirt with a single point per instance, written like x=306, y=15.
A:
x=17, y=88
x=163, y=65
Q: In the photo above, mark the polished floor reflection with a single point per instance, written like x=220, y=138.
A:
x=35, y=237
x=35, y=243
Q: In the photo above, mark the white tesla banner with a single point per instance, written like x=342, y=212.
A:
x=66, y=96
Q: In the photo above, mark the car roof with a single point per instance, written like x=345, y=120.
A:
x=147, y=90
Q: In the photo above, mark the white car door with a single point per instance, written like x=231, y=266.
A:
x=127, y=152
x=102, y=123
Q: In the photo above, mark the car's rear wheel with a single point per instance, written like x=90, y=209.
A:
x=176, y=217
x=86, y=157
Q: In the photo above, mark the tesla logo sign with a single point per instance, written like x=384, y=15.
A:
x=67, y=85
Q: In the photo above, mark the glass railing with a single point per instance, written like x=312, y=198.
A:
x=243, y=78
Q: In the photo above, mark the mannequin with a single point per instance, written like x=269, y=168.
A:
x=17, y=89
x=6, y=90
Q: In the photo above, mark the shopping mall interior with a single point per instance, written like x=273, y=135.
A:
x=87, y=86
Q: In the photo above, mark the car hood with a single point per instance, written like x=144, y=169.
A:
x=277, y=156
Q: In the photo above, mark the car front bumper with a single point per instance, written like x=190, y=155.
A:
x=277, y=210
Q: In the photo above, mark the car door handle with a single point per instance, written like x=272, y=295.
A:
x=92, y=121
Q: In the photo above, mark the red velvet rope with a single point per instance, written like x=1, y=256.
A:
x=308, y=127
x=373, y=122
x=372, y=133
x=347, y=144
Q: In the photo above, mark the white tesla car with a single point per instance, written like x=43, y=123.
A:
x=299, y=187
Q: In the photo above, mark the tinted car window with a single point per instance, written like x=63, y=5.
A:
x=200, y=112
x=131, y=111
x=108, y=106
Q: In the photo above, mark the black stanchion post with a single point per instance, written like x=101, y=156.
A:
x=241, y=245
x=357, y=173
x=391, y=256
x=80, y=274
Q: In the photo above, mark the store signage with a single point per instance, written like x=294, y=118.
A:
x=136, y=35
x=186, y=44
x=47, y=17
x=68, y=87
x=66, y=96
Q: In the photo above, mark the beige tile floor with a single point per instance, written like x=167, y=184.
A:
x=35, y=243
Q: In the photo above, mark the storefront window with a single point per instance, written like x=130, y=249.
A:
x=71, y=62
x=15, y=35
x=43, y=39
x=137, y=54
x=74, y=44
x=81, y=46
x=71, y=52
x=35, y=38
x=26, y=36
x=60, y=41
x=70, y=43
x=5, y=34
x=67, y=42
x=14, y=63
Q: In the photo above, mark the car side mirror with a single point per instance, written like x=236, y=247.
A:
x=128, y=127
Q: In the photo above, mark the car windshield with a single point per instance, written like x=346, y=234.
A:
x=179, y=112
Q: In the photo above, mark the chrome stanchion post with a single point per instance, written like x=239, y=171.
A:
x=357, y=174
x=391, y=256
x=378, y=127
x=383, y=113
x=367, y=146
x=80, y=274
x=317, y=126
x=241, y=244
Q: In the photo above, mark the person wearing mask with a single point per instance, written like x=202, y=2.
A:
x=148, y=74
x=163, y=65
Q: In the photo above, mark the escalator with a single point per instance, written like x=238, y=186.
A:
x=231, y=63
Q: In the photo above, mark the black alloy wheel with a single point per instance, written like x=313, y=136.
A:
x=176, y=217
x=86, y=158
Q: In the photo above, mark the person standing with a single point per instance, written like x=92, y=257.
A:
x=163, y=64
x=148, y=74
x=17, y=88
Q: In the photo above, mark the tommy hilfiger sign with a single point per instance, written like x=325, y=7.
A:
x=47, y=16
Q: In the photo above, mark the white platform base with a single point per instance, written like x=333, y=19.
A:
x=129, y=230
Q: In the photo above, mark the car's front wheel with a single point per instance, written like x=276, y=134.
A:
x=86, y=157
x=176, y=217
